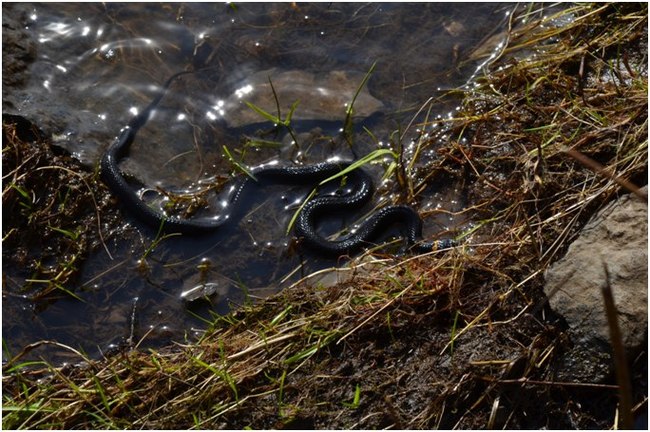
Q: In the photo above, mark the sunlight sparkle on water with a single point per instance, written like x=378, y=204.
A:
x=61, y=29
x=219, y=111
x=243, y=91
x=294, y=204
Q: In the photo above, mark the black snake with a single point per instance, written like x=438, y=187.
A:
x=305, y=224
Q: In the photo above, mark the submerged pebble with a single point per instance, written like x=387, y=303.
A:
x=320, y=96
x=199, y=291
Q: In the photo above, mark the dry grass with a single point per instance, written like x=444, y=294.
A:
x=450, y=340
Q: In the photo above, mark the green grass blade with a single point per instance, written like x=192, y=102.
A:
x=270, y=117
x=349, y=111
x=287, y=121
x=238, y=165
x=297, y=212
x=356, y=399
x=70, y=234
x=360, y=162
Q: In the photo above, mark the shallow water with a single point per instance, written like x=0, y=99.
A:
x=98, y=64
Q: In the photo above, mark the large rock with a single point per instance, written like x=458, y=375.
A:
x=617, y=236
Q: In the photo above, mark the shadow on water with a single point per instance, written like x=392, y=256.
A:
x=98, y=65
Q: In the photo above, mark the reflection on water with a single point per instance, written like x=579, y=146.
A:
x=98, y=65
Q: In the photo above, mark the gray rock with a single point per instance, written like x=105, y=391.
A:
x=617, y=236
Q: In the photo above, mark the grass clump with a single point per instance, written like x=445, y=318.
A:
x=445, y=340
x=53, y=212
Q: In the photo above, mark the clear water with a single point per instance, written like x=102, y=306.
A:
x=98, y=64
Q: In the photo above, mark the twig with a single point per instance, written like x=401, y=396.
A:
x=600, y=169
x=620, y=362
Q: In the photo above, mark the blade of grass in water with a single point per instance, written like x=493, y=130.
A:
x=347, y=123
x=361, y=162
x=238, y=165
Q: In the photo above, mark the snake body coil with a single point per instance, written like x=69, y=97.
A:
x=305, y=224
